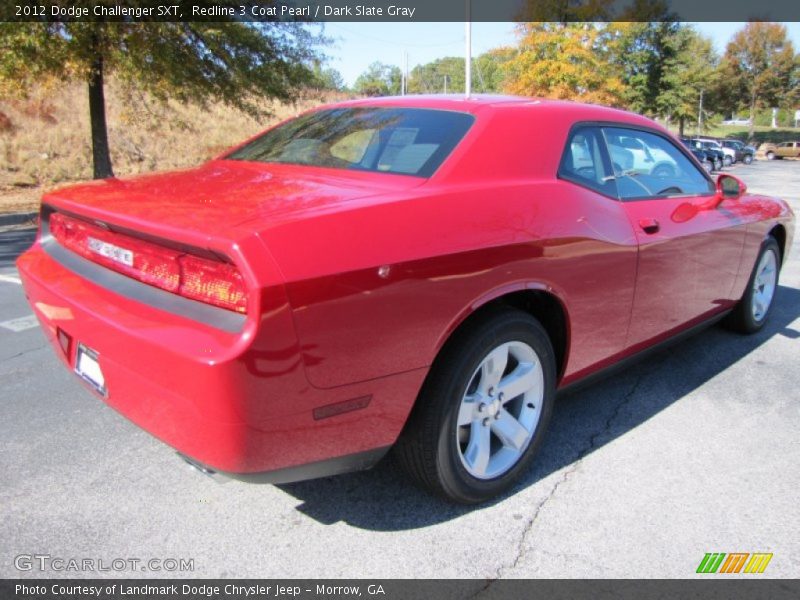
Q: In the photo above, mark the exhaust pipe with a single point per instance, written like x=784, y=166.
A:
x=205, y=470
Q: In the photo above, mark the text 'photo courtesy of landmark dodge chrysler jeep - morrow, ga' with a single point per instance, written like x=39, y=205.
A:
x=418, y=274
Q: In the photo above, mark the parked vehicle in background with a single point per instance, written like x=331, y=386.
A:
x=728, y=154
x=715, y=155
x=700, y=155
x=744, y=153
x=737, y=147
x=784, y=150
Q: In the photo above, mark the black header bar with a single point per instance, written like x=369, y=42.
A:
x=745, y=588
x=318, y=11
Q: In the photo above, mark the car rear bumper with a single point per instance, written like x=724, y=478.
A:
x=235, y=402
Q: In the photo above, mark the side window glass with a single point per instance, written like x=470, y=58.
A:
x=647, y=165
x=583, y=163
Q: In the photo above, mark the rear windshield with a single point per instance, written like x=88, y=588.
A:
x=407, y=141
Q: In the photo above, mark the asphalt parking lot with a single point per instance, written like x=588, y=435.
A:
x=694, y=450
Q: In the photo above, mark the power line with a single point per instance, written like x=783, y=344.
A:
x=385, y=41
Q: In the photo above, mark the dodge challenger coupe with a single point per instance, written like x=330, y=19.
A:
x=415, y=273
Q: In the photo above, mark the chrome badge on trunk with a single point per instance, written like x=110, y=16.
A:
x=115, y=253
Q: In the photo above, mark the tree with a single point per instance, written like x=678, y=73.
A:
x=563, y=60
x=689, y=75
x=430, y=78
x=233, y=62
x=664, y=67
x=760, y=61
x=489, y=69
x=327, y=78
x=487, y=73
x=379, y=80
x=640, y=53
x=565, y=11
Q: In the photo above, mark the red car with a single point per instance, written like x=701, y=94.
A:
x=416, y=273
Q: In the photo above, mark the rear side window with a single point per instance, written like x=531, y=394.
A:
x=583, y=161
x=406, y=141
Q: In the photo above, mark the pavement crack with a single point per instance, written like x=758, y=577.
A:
x=24, y=352
x=592, y=445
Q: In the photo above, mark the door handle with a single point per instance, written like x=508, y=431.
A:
x=649, y=226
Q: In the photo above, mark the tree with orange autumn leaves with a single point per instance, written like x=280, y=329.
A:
x=566, y=61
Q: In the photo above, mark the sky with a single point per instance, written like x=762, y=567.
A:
x=356, y=45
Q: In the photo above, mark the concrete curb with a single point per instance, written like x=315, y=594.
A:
x=18, y=218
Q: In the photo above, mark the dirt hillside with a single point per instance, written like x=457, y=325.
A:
x=45, y=139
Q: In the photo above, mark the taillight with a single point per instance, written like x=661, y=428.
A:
x=210, y=281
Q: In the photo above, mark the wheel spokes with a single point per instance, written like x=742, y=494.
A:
x=758, y=308
x=764, y=285
x=499, y=410
x=510, y=431
x=518, y=382
x=479, y=449
x=466, y=412
x=493, y=368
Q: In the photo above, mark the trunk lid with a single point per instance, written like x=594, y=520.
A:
x=218, y=198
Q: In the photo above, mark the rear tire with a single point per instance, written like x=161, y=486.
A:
x=727, y=161
x=770, y=156
x=752, y=311
x=482, y=412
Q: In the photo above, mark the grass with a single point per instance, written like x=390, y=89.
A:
x=45, y=139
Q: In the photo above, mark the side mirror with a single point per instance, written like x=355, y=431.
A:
x=728, y=186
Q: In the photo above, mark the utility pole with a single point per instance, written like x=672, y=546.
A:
x=700, y=115
x=468, y=52
x=403, y=75
x=405, y=72
x=402, y=80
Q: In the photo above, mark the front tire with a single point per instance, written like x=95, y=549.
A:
x=727, y=161
x=748, y=159
x=752, y=311
x=481, y=415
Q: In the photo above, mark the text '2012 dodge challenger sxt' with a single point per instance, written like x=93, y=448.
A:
x=416, y=273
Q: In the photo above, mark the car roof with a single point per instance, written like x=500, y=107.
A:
x=440, y=101
x=488, y=102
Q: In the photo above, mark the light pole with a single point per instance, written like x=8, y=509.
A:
x=467, y=52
